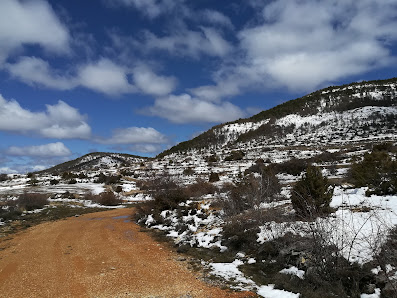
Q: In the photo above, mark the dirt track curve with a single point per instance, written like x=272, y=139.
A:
x=95, y=255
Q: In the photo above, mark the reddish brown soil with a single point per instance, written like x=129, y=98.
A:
x=95, y=255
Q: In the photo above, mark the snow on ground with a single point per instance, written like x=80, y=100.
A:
x=230, y=272
x=85, y=203
x=374, y=295
x=270, y=292
x=358, y=228
x=293, y=271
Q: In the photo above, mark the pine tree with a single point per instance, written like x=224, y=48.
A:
x=312, y=194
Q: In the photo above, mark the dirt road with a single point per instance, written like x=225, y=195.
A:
x=95, y=255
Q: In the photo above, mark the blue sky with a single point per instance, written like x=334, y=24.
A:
x=138, y=76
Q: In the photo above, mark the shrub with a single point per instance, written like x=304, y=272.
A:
x=377, y=171
x=312, y=194
x=188, y=172
x=293, y=166
x=31, y=201
x=3, y=177
x=235, y=155
x=54, y=182
x=69, y=175
x=102, y=178
x=214, y=177
x=33, y=181
x=72, y=181
x=212, y=158
x=166, y=194
x=240, y=232
x=257, y=167
x=106, y=198
x=82, y=175
x=200, y=188
x=251, y=192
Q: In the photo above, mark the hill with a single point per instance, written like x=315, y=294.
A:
x=334, y=115
x=96, y=160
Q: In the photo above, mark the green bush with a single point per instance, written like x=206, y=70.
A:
x=54, y=182
x=214, y=177
x=312, y=194
x=377, y=171
x=188, y=171
x=235, y=155
x=102, y=178
x=293, y=166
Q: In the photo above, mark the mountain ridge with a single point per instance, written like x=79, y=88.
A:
x=95, y=159
x=333, y=99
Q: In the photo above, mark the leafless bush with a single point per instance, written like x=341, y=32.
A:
x=31, y=201
x=107, y=198
x=200, y=188
x=251, y=192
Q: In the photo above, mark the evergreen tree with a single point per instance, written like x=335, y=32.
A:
x=312, y=194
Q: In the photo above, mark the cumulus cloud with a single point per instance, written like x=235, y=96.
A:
x=134, y=135
x=48, y=150
x=32, y=70
x=216, y=93
x=102, y=76
x=150, y=83
x=186, y=109
x=58, y=121
x=105, y=76
x=30, y=22
x=305, y=44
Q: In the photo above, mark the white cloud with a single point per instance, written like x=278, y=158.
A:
x=216, y=93
x=48, y=150
x=32, y=70
x=30, y=22
x=7, y=170
x=303, y=45
x=134, y=135
x=146, y=148
x=58, y=121
x=216, y=18
x=150, y=8
x=185, y=109
x=102, y=76
x=190, y=43
x=106, y=77
x=150, y=83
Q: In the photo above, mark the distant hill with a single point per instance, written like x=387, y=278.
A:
x=361, y=111
x=100, y=160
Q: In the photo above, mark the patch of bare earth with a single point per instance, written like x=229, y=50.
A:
x=95, y=255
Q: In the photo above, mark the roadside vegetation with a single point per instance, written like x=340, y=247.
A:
x=254, y=224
